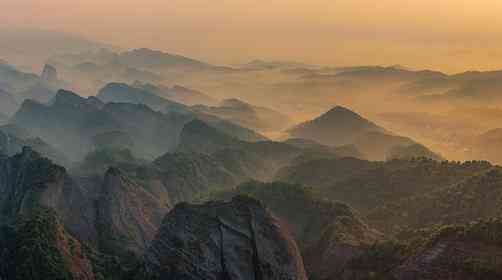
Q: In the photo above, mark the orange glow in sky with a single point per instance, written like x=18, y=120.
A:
x=449, y=35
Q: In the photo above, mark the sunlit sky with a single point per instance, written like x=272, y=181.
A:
x=448, y=35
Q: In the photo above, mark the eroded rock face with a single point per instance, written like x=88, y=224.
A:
x=128, y=215
x=223, y=240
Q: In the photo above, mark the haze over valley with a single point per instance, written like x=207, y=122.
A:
x=236, y=154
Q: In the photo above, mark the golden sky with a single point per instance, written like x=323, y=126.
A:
x=449, y=35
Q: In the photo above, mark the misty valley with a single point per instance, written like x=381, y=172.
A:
x=132, y=164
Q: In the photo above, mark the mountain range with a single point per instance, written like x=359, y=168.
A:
x=127, y=175
x=341, y=126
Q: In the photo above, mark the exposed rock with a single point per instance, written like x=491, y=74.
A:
x=49, y=74
x=235, y=240
x=29, y=181
x=128, y=215
x=329, y=234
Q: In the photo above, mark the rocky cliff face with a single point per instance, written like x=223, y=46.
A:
x=235, y=240
x=128, y=215
x=330, y=235
x=29, y=181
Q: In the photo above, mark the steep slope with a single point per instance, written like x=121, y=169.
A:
x=238, y=239
x=49, y=74
x=67, y=123
x=338, y=126
x=329, y=234
x=184, y=175
x=128, y=215
x=21, y=85
x=341, y=126
x=71, y=122
x=258, y=160
x=145, y=95
x=29, y=181
x=44, y=250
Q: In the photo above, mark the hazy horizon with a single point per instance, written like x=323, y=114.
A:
x=442, y=36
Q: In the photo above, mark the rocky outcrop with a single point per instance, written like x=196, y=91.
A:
x=128, y=215
x=49, y=74
x=329, y=234
x=29, y=181
x=233, y=240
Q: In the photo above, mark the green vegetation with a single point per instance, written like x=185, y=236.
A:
x=38, y=255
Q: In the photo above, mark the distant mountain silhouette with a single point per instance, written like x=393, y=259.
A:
x=23, y=85
x=147, y=58
x=178, y=94
x=341, y=126
x=258, y=64
x=71, y=123
x=31, y=48
x=338, y=126
x=123, y=93
x=247, y=115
